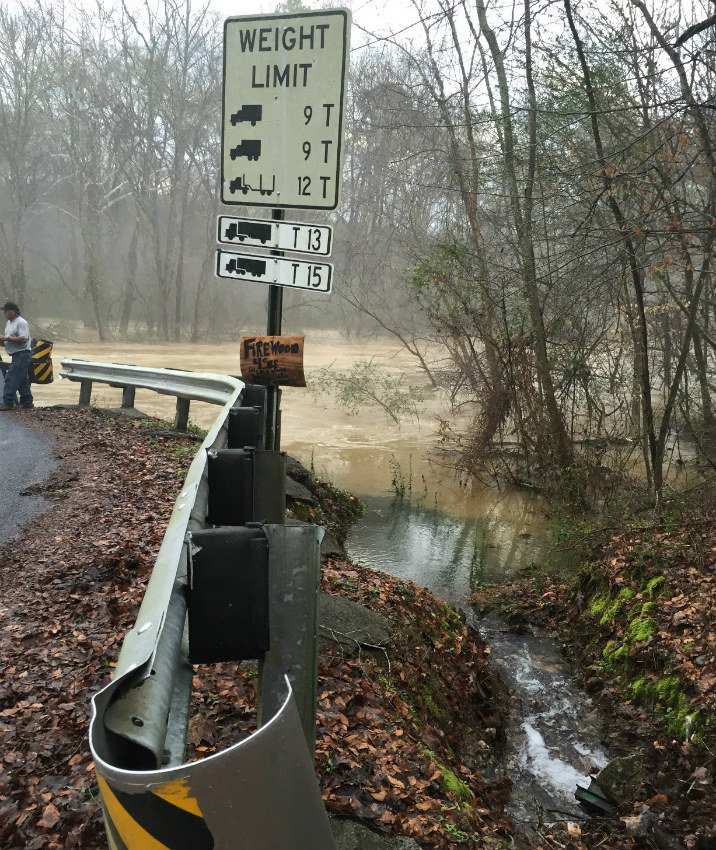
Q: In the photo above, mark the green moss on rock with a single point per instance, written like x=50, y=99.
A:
x=642, y=628
x=598, y=604
x=653, y=584
x=666, y=697
x=452, y=785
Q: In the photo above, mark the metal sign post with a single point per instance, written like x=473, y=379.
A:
x=273, y=328
x=284, y=93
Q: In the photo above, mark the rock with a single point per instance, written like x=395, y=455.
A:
x=353, y=835
x=297, y=471
x=621, y=779
x=641, y=826
x=298, y=492
x=351, y=625
x=665, y=841
x=330, y=546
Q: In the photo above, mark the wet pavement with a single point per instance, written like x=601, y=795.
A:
x=25, y=459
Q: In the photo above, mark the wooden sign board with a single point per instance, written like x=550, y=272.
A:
x=272, y=360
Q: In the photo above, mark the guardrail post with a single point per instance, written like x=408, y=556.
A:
x=294, y=582
x=181, y=420
x=246, y=428
x=246, y=485
x=128, y=394
x=85, y=393
x=228, y=594
x=245, y=581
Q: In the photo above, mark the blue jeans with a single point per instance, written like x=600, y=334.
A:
x=17, y=379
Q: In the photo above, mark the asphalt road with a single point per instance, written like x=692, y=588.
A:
x=25, y=458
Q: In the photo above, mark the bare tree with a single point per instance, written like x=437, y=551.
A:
x=26, y=151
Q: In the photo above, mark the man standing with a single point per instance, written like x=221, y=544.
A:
x=19, y=347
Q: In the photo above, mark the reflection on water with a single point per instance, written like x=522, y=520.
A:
x=451, y=555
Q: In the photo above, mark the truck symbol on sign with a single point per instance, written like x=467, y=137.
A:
x=243, y=265
x=251, y=112
x=251, y=149
x=249, y=229
x=239, y=184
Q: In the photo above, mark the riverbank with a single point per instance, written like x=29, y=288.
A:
x=405, y=725
x=637, y=618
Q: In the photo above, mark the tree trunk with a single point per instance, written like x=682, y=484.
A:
x=558, y=439
x=633, y=261
x=130, y=283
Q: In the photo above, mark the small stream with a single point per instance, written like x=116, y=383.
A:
x=554, y=734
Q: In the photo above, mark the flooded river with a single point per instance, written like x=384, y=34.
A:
x=363, y=453
x=444, y=534
x=440, y=533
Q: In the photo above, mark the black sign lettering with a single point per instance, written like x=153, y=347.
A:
x=267, y=39
x=291, y=76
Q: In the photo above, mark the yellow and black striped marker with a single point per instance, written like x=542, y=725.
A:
x=166, y=818
x=42, y=371
x=41, y=363
x=41, y=349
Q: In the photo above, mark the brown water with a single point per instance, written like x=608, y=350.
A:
x=482, y=532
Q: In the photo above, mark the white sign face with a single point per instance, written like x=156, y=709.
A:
x=284, y=93
x=281, y=235
x=277, y=271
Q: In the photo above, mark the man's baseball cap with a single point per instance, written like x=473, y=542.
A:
x=10, y=305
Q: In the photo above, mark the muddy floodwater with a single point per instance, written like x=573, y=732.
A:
x=489, y=533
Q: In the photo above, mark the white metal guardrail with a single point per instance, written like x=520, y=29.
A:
x=261, y=792
x=185, y=386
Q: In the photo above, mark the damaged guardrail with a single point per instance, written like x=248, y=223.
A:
x=231, y=582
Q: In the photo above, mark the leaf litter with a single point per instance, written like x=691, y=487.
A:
x=401, y=733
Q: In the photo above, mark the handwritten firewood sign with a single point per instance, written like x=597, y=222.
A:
x=272, y=360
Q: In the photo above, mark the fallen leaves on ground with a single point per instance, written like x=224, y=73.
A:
x=401, y=733
x=71, y=586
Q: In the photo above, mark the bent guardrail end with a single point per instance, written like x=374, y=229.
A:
x=259, y=794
